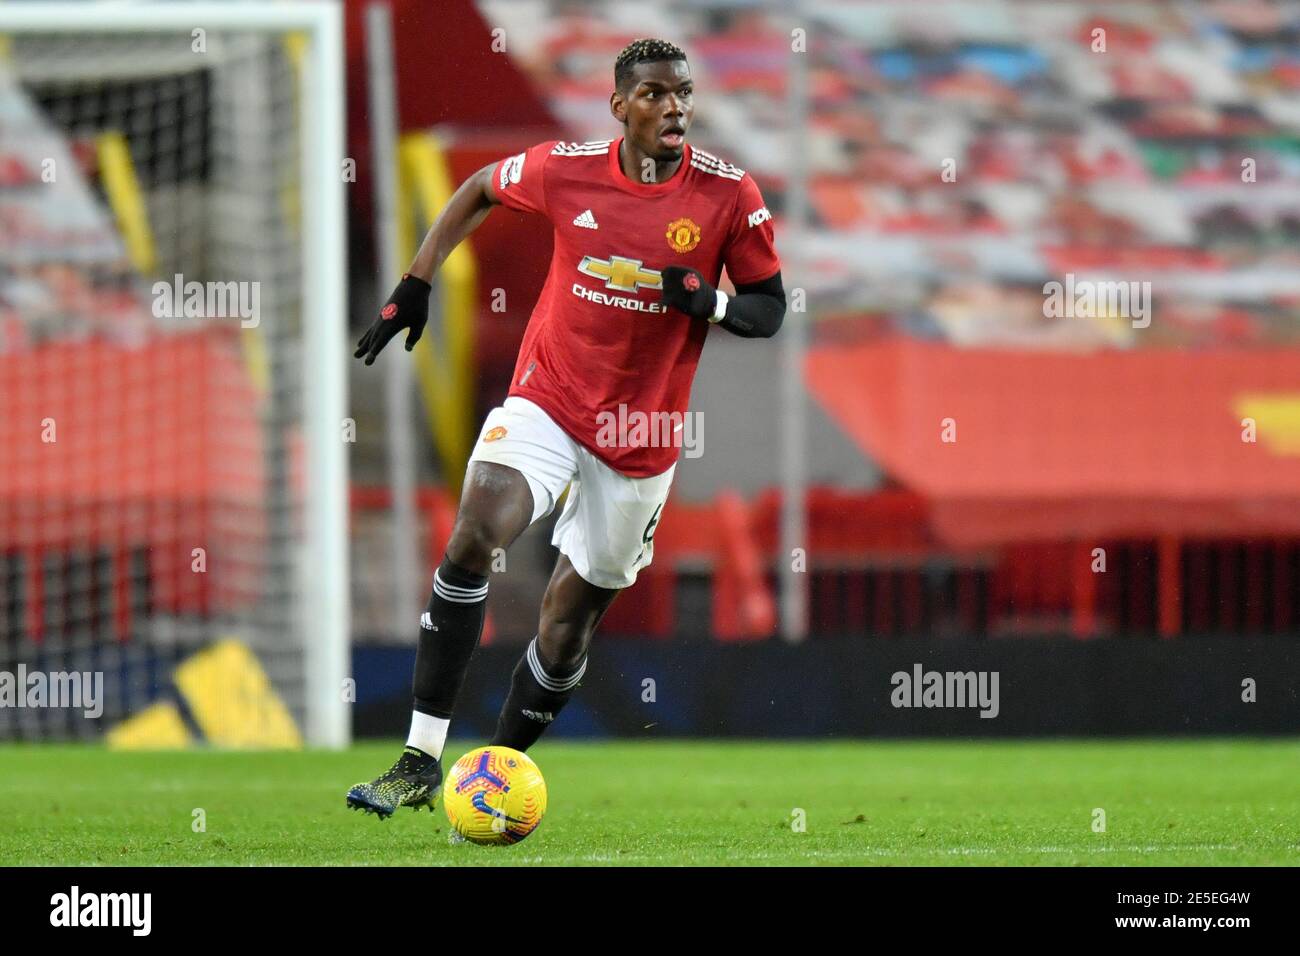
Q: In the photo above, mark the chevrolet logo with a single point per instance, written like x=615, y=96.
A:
x=625, y=275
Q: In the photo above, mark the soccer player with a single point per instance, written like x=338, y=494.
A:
x=644, y=225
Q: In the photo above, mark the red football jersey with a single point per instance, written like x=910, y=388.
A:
x=599, y=338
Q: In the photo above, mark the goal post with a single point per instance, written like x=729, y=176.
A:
x=240, y=209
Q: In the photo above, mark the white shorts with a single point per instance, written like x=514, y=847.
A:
x=607, y=526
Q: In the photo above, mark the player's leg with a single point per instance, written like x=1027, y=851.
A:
x=496, y=506
x=519, y=467
x=548, y=673
x=605, y=536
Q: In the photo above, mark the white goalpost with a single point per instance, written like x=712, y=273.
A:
x=198, y=489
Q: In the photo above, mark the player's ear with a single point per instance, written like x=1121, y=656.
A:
x=618, y=106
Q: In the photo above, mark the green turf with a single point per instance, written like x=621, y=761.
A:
x=887, y=803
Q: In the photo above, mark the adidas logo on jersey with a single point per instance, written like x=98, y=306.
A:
x=586, y=220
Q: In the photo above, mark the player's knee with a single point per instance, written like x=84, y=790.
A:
x=473, y=544
x=562, y=648
x=564, y=634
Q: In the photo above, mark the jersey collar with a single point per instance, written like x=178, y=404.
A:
x=646, y=189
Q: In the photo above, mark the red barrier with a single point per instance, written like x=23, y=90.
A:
x=873, y=557
x=1051, y=446
x=743, y=608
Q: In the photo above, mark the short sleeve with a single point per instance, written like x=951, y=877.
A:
x=519, y=180
x=750, y=255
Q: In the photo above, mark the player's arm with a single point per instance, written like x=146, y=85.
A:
x=463, y=214
x=754, y=312
x=408, y=306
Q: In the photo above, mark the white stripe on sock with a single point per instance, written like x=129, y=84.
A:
x=545, y=680
x=458, y=598
x=456, y=594
x=437, y=577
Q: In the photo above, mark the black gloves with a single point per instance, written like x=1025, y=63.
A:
x=755, y=311
x=407, y=308
x=685, y=289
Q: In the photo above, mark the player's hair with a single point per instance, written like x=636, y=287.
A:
x=643, y=51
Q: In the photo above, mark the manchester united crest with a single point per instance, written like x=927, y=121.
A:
x=683, y=235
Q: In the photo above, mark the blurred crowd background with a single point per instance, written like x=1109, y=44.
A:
x=1083, y=137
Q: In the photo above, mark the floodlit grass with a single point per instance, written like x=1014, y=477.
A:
x=1185, y=802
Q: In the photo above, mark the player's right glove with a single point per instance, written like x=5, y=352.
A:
x=407, y=308
x=685, y=290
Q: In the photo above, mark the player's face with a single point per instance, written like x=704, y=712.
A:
x=657, y=106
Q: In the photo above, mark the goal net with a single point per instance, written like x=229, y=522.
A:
x=172, y=457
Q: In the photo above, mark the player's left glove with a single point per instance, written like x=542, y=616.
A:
x=685, y=289
x=407, y=308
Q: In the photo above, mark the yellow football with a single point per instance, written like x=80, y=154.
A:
x=494, y=796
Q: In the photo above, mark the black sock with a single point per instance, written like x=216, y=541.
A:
x=449, y=631
x=537, y=696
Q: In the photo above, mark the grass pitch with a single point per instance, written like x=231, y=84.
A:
x=878, y=803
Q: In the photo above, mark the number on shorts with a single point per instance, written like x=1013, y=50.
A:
x=649, y=532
